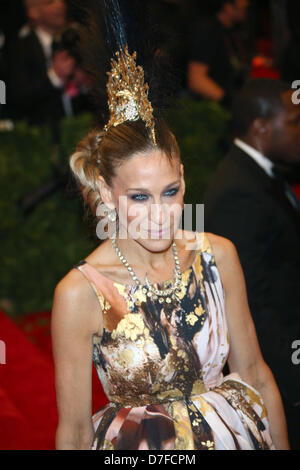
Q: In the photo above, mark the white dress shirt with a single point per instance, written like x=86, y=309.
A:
x=46, y=42
x=267, y=166
x=262, y=161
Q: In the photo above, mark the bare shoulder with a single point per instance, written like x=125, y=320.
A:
x=223, y=249
x=227, y=261
x=74, y=303
x=72, y=286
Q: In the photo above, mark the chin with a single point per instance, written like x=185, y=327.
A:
x=155, y=245
x=59, y=21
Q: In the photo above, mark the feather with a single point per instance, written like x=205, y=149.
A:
x=107, y=26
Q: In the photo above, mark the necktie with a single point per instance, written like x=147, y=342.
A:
x=56, y=44
x=280, y=176
x=54, y=47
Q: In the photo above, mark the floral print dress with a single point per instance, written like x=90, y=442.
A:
x=160, y=365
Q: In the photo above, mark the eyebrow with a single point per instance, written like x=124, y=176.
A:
x=146, y=190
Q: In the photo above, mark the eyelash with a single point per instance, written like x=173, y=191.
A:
x=137, y=197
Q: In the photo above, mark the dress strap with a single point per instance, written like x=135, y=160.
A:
x=92, y=276
x=205, y=243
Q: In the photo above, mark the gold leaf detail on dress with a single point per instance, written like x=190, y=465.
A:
x=191, y=319
x=209, y=444
x=174, y=393
x=199, y=310
x=131, y=327
x=173, y=342
x=108, y=445
x=181, y=353
x=125, y=357
x=104, y=304
x=198, y=387
x=183, y=430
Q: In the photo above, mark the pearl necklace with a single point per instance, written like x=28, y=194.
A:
x=161, y=295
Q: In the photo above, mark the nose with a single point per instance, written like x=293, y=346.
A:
x=158, y=214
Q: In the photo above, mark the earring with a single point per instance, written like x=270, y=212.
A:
x=112, y=216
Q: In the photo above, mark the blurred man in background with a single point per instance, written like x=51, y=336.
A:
x=37, y=75
x=250, y=201
x=217, y=57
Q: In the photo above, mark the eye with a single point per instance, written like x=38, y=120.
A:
x=139, y=197
x=144, y=197
x=171, y=192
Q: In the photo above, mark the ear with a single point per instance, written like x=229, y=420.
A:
x=261, y=127
x=105, y=193
x=261, y=134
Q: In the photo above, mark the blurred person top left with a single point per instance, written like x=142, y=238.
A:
x=37, y=74
x=49, y=15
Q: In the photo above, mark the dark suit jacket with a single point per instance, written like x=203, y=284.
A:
x=245, y=205
x=30, y=91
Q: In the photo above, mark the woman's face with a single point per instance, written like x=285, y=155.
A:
x=147, y=192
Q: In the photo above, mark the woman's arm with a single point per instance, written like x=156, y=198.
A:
x=245, y=356
x=73, y=323
x=201, y=83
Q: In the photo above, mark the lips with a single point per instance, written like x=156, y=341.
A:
x=158, y=233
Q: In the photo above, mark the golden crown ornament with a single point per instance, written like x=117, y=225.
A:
x=128, y=93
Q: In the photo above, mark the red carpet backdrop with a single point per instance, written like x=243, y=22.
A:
x=28, y=411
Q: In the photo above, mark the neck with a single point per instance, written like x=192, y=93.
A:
x=52, y=32
x=254, y=144
x=139, y=256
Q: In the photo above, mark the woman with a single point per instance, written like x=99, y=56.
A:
x=159, y=342
x=160, y=363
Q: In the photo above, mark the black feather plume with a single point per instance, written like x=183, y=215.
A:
x=108, y=25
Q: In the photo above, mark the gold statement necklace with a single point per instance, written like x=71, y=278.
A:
x=165, y=295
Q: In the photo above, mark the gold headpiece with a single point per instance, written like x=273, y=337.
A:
x=128, y=93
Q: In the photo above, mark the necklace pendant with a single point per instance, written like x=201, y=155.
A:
x=162, y=296
x=147, y=282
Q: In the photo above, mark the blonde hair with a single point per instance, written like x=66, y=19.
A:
x=86, y=170
x=101, y=153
